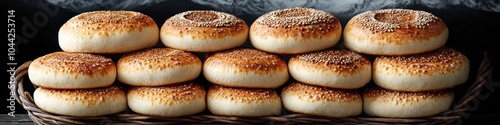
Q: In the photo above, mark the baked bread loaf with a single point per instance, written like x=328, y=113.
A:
x=81, y=102
x=203, y=31
x=435, y=70
x=158, y=66
x=67, y=70
x=168, y=101
x=245, y=67
x=333, y=68
x=108, y=32
x=244, y=102
x=396, y=104
x=323, y=101
x=295, y=30
x=395, y=32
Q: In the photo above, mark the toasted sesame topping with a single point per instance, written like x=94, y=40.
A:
x=333, y=58
x=287, y=18
x=248, y=59
x=387, y=20
x=404, y=97
x=93, y=96
x=245, y=95
x=106, y=21
x=443, y=60
x=158, y=58
x=80, y=63
x=205, y=18
x=169, y=94
x=319, y=93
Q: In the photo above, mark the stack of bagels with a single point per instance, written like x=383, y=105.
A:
x=411, y=69
x=244, y=82
x=325, y=79
x=242, y=79
x=161, y=81
x=80, y=80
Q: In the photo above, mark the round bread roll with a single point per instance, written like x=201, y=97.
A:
x=108, y=32
x=333, y=68
x=168, y=101
x=395, y=104
x=295, y=30
x=395, y=32
x=66, y=70
x=245, y=67
x=81, y=102
x=245, y=102
x=204, y=31
x=439, y=69
x=158, y=66
x=322, y=101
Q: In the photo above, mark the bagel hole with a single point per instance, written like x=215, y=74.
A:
x=395, y=18
x=293, y=13
x=202, y=16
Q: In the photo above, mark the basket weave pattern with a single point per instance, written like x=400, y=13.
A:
x=452, y=115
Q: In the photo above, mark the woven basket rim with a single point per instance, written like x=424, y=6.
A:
x=455, y=113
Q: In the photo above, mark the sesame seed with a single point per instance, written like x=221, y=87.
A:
x=331, y=57
x=87, y=96
x=248, y=59
x=170, y=94
x=336, y=59
x=441, y=60
x=82, y=63
x=246, y=95
x=159, y=58
x=110, y=21
x=205, y=18
x=319, y=93
x=404, y=97
x=387, y=20
x=286, y=18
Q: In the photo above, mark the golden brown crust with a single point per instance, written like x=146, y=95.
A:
x=75, y=63
x=317, y=93
x=406, y=97
x=107, y=23
x=443, y=60
x=169, y=94
x=204, y=24
x=94, y=96
x=307, y=23
x=158, y=58
x=247, y=59
x=245, y=95
x=397, y=26
x=342, y=61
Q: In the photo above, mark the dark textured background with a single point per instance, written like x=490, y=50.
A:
x=473, y=31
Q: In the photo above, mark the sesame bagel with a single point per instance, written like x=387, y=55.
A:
x=203, y=31
x=438, y=69
x=395, y=32
x=396, y=104
x=108, y=32
x=333, y=68
x=81, y=102
x=322, y=101
x=245, y=67
x=244, y=102
x=66, y=70
x=167, y=101
x=295, y=30
x=158, y=66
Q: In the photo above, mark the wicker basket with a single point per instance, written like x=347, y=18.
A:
x=452, y=115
